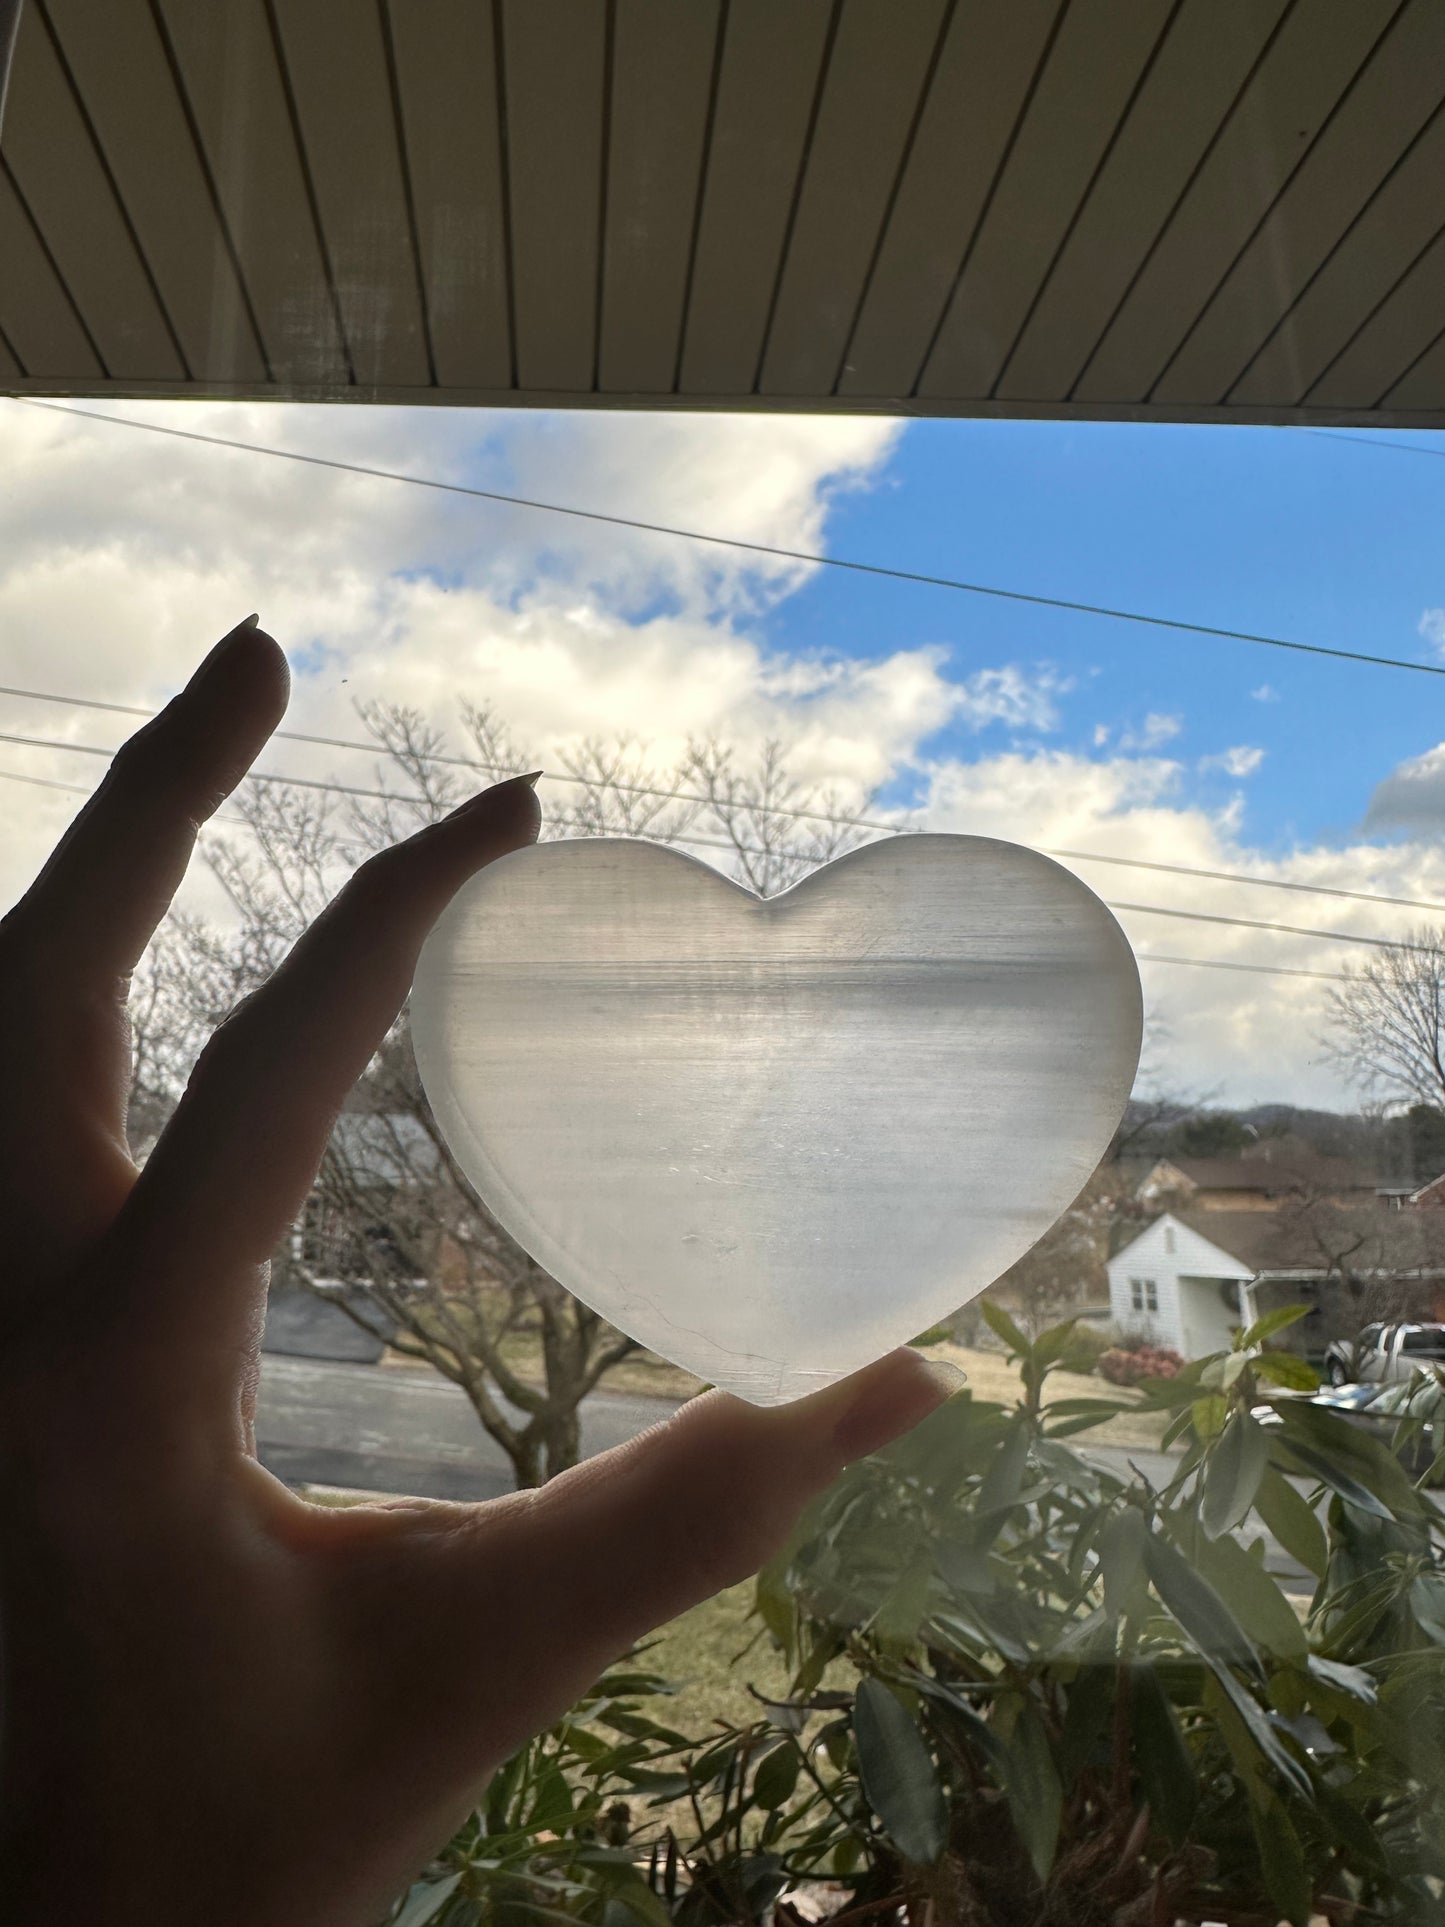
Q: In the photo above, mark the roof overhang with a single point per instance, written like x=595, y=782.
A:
x=1217, y=210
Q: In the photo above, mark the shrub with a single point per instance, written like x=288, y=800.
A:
x=1056, y=1693
x=1122, y=1367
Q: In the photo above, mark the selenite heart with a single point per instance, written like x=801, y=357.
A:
x=773, y=1139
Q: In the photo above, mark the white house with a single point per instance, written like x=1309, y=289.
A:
x=1177, y=1288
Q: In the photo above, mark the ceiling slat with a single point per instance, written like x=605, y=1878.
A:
x=35, y=311
x=1204, y=61
x=772, y=64
x=879, y=66
x=1092, y=69
x=1385, y=109
x=1423, y=385
x=662, y=73
x=555, y=54
x=446, y=71
x=228, y=66
x=1404, y=217
x=987, y=65
x=53, y=158
x=1316, y=54
x=340, y=81
x=125, y=80
x=1383, y=352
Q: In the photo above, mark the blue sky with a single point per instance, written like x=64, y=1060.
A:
x=1293, y=534
x=122, y=554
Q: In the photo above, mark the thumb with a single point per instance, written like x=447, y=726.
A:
x=608, y=1551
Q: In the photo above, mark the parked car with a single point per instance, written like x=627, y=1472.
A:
x=1384, y=1354
x=1379, y=1409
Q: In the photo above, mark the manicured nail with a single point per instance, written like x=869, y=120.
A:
x=221, y=653
x=531, y=780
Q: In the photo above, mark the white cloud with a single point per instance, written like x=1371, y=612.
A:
x=1432, y=627
x=1153, y=733
x=122, y=555
x=1266, y=693
x=1239, y=762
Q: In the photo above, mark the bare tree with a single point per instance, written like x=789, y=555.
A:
x=1066, y=1268
x=1387, y=1021
x=393, y=1233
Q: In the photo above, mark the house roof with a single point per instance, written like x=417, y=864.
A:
x=1217, y=209
x=1374, y=1238
x=1295, y=1169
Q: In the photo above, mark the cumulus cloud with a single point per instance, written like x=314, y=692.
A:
x=1412, y=797
x=1153, y=733
x=123, y=554
x=1432, y=627
x=1239, y=762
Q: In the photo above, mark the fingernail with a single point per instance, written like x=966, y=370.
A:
x=531, y=780
x=224, y=649
x=892, y=1403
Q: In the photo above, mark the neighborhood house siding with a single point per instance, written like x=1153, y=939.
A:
x=1178, y=1276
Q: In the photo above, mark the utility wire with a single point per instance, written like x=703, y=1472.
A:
x=1261, y=970
x=752, y=548
x=392, y=796
x=719, y=843
x=760, y=809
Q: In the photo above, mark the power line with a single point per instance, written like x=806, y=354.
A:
x=761, y=809
x=1284, y=929
x=1141, y=909
x=718, y=843
x=752, y=548
x=1373, y=441
x=1261, y=970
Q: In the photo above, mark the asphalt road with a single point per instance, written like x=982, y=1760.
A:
x=375, y=1429
x=321, y=1422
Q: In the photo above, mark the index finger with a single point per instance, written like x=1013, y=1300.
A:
x=235, y=1163
x=95, y=906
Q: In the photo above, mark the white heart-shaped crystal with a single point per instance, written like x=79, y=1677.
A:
x=773, y=1139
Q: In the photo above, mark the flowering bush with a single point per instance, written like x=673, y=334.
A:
x=1122, y=1367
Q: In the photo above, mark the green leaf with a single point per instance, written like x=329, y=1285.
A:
x=1210, y=1415
x=1328, y=1473
x=1245, y=1724
x=1004, y=1478
x=1281, y=1860
x=423, y=1904
x=1232, y=1474
x=1031, y=1784
x=1254, y=1598
x=1163, y=1760
x=899, y=1776
x=1351, y=1450
x=1353, y=1680
x=1272, y=1322
x=1212, y=1628
x=1283, y=1368
x=964, y=1567
x=776, y=1777
x=1291, y=1518
x=1121, y=1559
x=1002, y=1326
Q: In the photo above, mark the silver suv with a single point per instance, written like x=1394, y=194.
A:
x=1384, y=1354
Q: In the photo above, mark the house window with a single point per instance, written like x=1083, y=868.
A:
x=1169, y=1239
x=1143, y=1294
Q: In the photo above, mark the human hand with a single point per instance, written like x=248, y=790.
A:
x=219, y=1703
